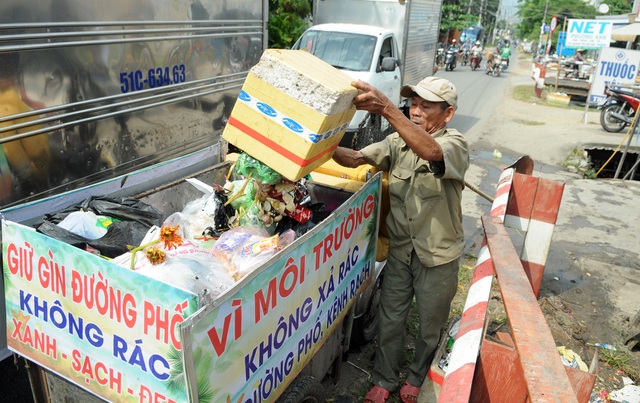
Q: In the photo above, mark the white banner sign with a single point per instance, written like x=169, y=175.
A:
x=589, y=33
x=615, y=67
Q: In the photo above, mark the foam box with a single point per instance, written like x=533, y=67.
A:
x=292, y=112
x=557, y=98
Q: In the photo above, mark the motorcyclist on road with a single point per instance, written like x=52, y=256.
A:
x=505, y=53
x=440, y=54
x=465, y=49
x=466, y=45
x=477, y=48
x=454, y=47
x=490, y=60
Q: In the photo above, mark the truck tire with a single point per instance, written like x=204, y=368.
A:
x=305, y=389
x=365, y=327
x=611, y=124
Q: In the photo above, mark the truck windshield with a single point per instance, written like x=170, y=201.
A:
x=342, y=50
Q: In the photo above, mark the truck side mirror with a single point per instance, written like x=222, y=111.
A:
x=388, y=64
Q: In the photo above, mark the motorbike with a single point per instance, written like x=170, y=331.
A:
x=619, y=109
x=465, y=57
x=496, y=68
x=504, y=63
x=450, y=60
x=475, y=60
x=440, y=56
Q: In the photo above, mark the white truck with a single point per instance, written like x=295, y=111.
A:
x=387, y=43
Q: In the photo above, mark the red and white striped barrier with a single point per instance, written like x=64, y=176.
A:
x=456, y=386
x=534, y=210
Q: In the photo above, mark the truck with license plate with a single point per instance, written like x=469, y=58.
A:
x=128, y=99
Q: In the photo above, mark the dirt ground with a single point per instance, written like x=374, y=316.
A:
x=591, y=287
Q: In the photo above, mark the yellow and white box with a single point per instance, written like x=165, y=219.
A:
x=558, y=98
x=292, y=112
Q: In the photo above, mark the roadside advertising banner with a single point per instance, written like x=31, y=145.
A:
x=109, y=330
x=616, y=67
x=588, y=34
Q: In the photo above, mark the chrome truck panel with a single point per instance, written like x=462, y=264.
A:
x=90, y=90
x=115, y=97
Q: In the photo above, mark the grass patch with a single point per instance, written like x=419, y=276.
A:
x=465, y=275
x=526, y=93
x=620, y=360
x=529, y=122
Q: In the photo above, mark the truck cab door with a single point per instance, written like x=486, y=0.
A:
x=385, y=74
x=389, y=80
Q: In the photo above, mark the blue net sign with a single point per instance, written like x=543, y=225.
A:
x=589, y=34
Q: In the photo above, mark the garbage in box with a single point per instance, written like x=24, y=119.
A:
x=292, y=112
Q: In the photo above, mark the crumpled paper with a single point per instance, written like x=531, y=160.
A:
x=628, y=394
x=571, y=359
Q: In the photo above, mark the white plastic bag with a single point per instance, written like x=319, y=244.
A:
x=86, y=224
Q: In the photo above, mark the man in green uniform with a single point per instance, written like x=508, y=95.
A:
x=505, y=53
x=426, y=162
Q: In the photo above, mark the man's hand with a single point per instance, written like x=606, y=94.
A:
x=348, y=157
x=370, y=99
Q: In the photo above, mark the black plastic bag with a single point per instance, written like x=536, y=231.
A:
x=134, y=218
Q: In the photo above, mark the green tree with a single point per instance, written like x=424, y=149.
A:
x=531, y=13
x=617, y=7
x=460, y=14
x=455, y=16
x=287, y=21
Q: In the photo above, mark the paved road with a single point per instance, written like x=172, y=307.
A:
x=594, y=257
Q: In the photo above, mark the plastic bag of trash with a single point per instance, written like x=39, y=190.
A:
x=247, y=166
x=132, y=219
x=243, y=194
x=86, y=224
x=186, y=266
x=243, y=249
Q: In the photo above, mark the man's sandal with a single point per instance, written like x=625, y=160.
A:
x=377, y=394
x=409, y=393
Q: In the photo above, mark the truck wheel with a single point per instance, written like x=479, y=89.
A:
x=365, y=328
x=305, y=389
x=611, y=124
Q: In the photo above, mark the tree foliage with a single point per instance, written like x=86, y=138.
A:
x=531, y=13
x=455, y=16
x=287, y=21
x=460, y=14
x=617, y=7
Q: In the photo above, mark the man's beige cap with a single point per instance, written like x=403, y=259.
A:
x=433, y=89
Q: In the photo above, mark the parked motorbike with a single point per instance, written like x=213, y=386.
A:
x=496, y=67
x=620, y=107
x=465, y=57
x=475, y=60
x=450, y=60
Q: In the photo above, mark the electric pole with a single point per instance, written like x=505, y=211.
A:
x=544, y=18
